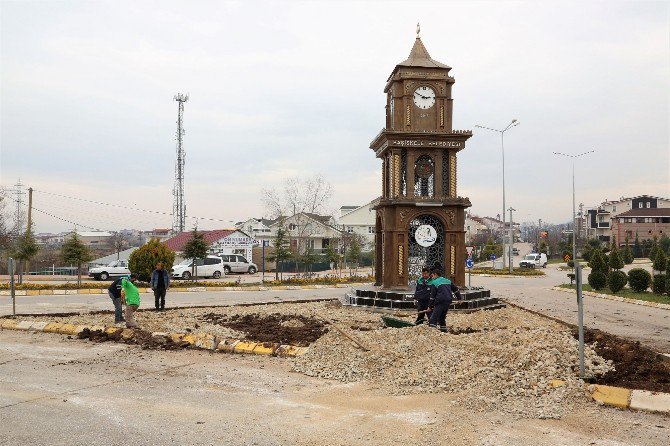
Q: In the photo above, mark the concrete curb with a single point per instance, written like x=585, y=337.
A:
x=195, y=289
x=504, y=276
x=203, y=341
x=644, y=303
x=630, y=398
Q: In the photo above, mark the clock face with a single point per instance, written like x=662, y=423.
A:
x=424, y=97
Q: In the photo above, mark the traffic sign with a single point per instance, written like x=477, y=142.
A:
x=469, y=250
x=469, y=263
x=566, y=258
x=492, y=257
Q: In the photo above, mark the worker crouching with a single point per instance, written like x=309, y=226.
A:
x=422, y=295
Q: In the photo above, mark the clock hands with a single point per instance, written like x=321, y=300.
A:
x=424, y=97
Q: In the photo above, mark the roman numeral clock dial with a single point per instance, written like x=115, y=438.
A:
x=424, y=97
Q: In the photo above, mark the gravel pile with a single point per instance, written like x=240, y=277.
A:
x=506, y=363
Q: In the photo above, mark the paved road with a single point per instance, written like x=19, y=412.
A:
x=60, y=391
x=651, y=326
x=92, y=302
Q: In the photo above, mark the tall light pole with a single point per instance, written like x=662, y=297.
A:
x=511, y=239
x=577, y=266
x=514, y=123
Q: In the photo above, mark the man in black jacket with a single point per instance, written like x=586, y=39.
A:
x=441, y=298
x=422, y=295
x=114, y=291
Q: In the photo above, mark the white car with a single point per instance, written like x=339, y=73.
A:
x=117, y=268
x=210, y=266
x=235, y=263
x=534, y=260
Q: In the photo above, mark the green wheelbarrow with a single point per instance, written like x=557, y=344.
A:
x=393, y=322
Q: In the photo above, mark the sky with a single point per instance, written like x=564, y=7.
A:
x=285, y=88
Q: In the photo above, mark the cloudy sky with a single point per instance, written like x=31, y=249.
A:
x=281, y=89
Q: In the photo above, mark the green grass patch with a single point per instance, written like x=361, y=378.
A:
x=627, y=293
x=505, y=272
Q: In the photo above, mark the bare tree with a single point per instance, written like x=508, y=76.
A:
x=118, y=242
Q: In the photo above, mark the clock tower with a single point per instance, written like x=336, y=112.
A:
x=419, y=217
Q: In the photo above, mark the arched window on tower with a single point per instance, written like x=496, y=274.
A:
x=424, y=177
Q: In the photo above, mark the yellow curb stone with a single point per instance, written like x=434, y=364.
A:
x=21, y=293
x=9, y=324
x=290, y=351
x=177, y=337
x=67, y=329
x=611, y=396
x=216, y=288
x=79, y=328
x=112, y=330
x=47, y=292
x=263, y=288
x=52, y=327
x=342, y=285
x=96, y=328
x=24, y=325
x=32, y=292
x=279, y=287
x=189, y=338
x=557, y=383
x=265, y=349
x=127, y=333
x=227, y=345
x=245, y=347
x=70, y=291
x=5, y=292
x=38, y=326
x=206, y=341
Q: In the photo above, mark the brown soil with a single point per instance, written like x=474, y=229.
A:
x=271, y=329
x=636, y=367
x=141, y=338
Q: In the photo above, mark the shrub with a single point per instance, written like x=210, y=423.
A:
x=571, y=264
x=597, y=262
x=616, y=281
x=667, y=280
x=143, y=260
x=627, y=255
x=659, y=261
x=614, y=259
x=639, y=279
x=658, y=284
x=597, y=280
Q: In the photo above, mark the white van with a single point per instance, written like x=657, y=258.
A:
x=210, y=266
x=534, y=260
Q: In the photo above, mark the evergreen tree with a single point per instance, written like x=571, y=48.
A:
x=543, y=247
x=354, y=252
x=654, y=249
x=143, y=260
x=282, y=250
x=75, y=252
x=597, y=262
x=614, y=259
x=24, y=249
x=196, y=248
x=664, y=244
x=637, y=248
x=660, y=262
x=333, y=256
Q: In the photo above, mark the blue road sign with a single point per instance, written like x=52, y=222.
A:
x=469, y=263
x=492, y=257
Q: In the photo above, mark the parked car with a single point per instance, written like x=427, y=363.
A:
x=117, y=268
x=534, y=260
x=210, y=266
x=234, y=263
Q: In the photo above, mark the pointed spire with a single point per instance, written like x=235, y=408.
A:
x=419, y=56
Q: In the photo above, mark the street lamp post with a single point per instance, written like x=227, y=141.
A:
x=577, y=266
x=514, y=123
x=511, y=239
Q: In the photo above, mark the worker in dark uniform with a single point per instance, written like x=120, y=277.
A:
x=114, y=292
x=442, y=296
x=422, y=294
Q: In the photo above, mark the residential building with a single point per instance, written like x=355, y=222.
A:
x=359, y=220
x=306, y=231
x=161, y=234
x=221, y=241
x=646, y=223
x=256, y=227
x=599, y=219
x=475, y=229
x=92, y=239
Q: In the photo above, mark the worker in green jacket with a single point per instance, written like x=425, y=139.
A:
x=130, y=297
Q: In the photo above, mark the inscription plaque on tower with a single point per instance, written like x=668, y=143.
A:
x=419, y=217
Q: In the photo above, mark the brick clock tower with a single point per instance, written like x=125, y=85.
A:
x=419, y=218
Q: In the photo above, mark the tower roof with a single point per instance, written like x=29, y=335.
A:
x=419, y=57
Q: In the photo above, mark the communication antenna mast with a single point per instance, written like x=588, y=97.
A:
x=179, y=206
x=18, y=217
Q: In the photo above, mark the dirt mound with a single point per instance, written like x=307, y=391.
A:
x=141, y=338
x=283, y=328
x=636, y=366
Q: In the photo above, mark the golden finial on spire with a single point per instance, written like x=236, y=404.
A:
x=418, y=30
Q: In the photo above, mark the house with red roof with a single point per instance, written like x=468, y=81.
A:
x=221, y=241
